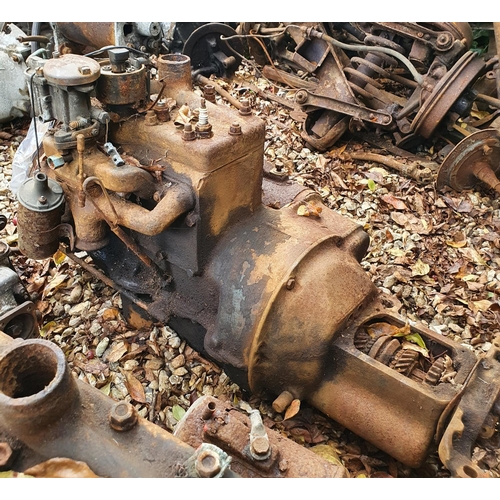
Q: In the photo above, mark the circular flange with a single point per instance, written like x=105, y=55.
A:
x=465, y=71
x=456, y=169
x=205, y=48
x=71, y=70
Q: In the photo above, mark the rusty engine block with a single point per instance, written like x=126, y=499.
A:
x=175, y=221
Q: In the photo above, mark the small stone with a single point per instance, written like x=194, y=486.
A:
x=130, y=364
x=163, y=382
x=178, y=361
x=154, y=364
x=175, y=379
x=101, y=347
x=174, y=342
x=180, y=371
x=74, y=321
x=79, y=308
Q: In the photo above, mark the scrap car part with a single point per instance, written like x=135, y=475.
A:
x=191, y=240
x=17, y=312
x=14, y=96
x=46, y=413
x=476, y=158
x=266, y=455
x=80, y=36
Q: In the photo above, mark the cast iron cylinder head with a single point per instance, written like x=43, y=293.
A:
x=40, y=210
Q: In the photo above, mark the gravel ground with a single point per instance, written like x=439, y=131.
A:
x=437, y=252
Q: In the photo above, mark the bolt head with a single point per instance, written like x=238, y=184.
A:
x=260, y=446
x=85, y=70
x=123, y=416
x=207, y=464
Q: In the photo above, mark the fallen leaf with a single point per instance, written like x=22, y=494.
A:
x=420, y=268
x=456, y=244
x=480, y=305
x=61, y=467
x=178, y=412
x=135, y=388
x=393, y=201
x=328, y=452
x=415, y=343
x=117, y=350
x=293, y=409
x=372, y=185
x=56, y=282
x=58, y=258
x=47, y=328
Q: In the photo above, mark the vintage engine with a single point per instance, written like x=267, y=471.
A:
x=277, y=296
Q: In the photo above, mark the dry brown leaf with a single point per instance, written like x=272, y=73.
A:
x=420, y=268
x=110, y=314
x=393, y=201
x=61, y=468
x=293, y=409
x=118, y=349
x=135, y=388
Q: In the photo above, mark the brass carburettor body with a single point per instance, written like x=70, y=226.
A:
x=275, y=295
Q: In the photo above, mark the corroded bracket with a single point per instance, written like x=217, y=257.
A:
x=480, y=398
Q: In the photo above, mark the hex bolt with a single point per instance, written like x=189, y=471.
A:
x=42, y=200
x=260, y=446
x=150, y=119
x=235, y=129
x=209, y=93
x=188, y=134
x=207, y=464
x=301, y=96
x=123, y=416
x=85, y=70
x=245, y=108
x=6, y=456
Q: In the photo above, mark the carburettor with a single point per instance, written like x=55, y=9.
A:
x=165, y=194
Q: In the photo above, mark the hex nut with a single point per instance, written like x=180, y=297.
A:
x=123, y=416
x=260, y=445
x=207, y=464
x=6, y=456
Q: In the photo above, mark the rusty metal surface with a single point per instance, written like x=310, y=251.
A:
x=465, y=71
x=128, y=87
x=239, y=279
x=95, y=34
x=379, y=403
x=54, y=415
x=457, y=169
x=470, y=418
x=71, y=70
x=209, y=420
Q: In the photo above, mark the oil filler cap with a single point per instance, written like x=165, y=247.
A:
x=40, y=194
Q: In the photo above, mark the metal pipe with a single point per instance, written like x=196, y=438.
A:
x=178, y=199
x=205, y=81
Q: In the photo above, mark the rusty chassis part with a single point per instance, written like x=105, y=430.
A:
x=277, y=298
x=45, y=413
